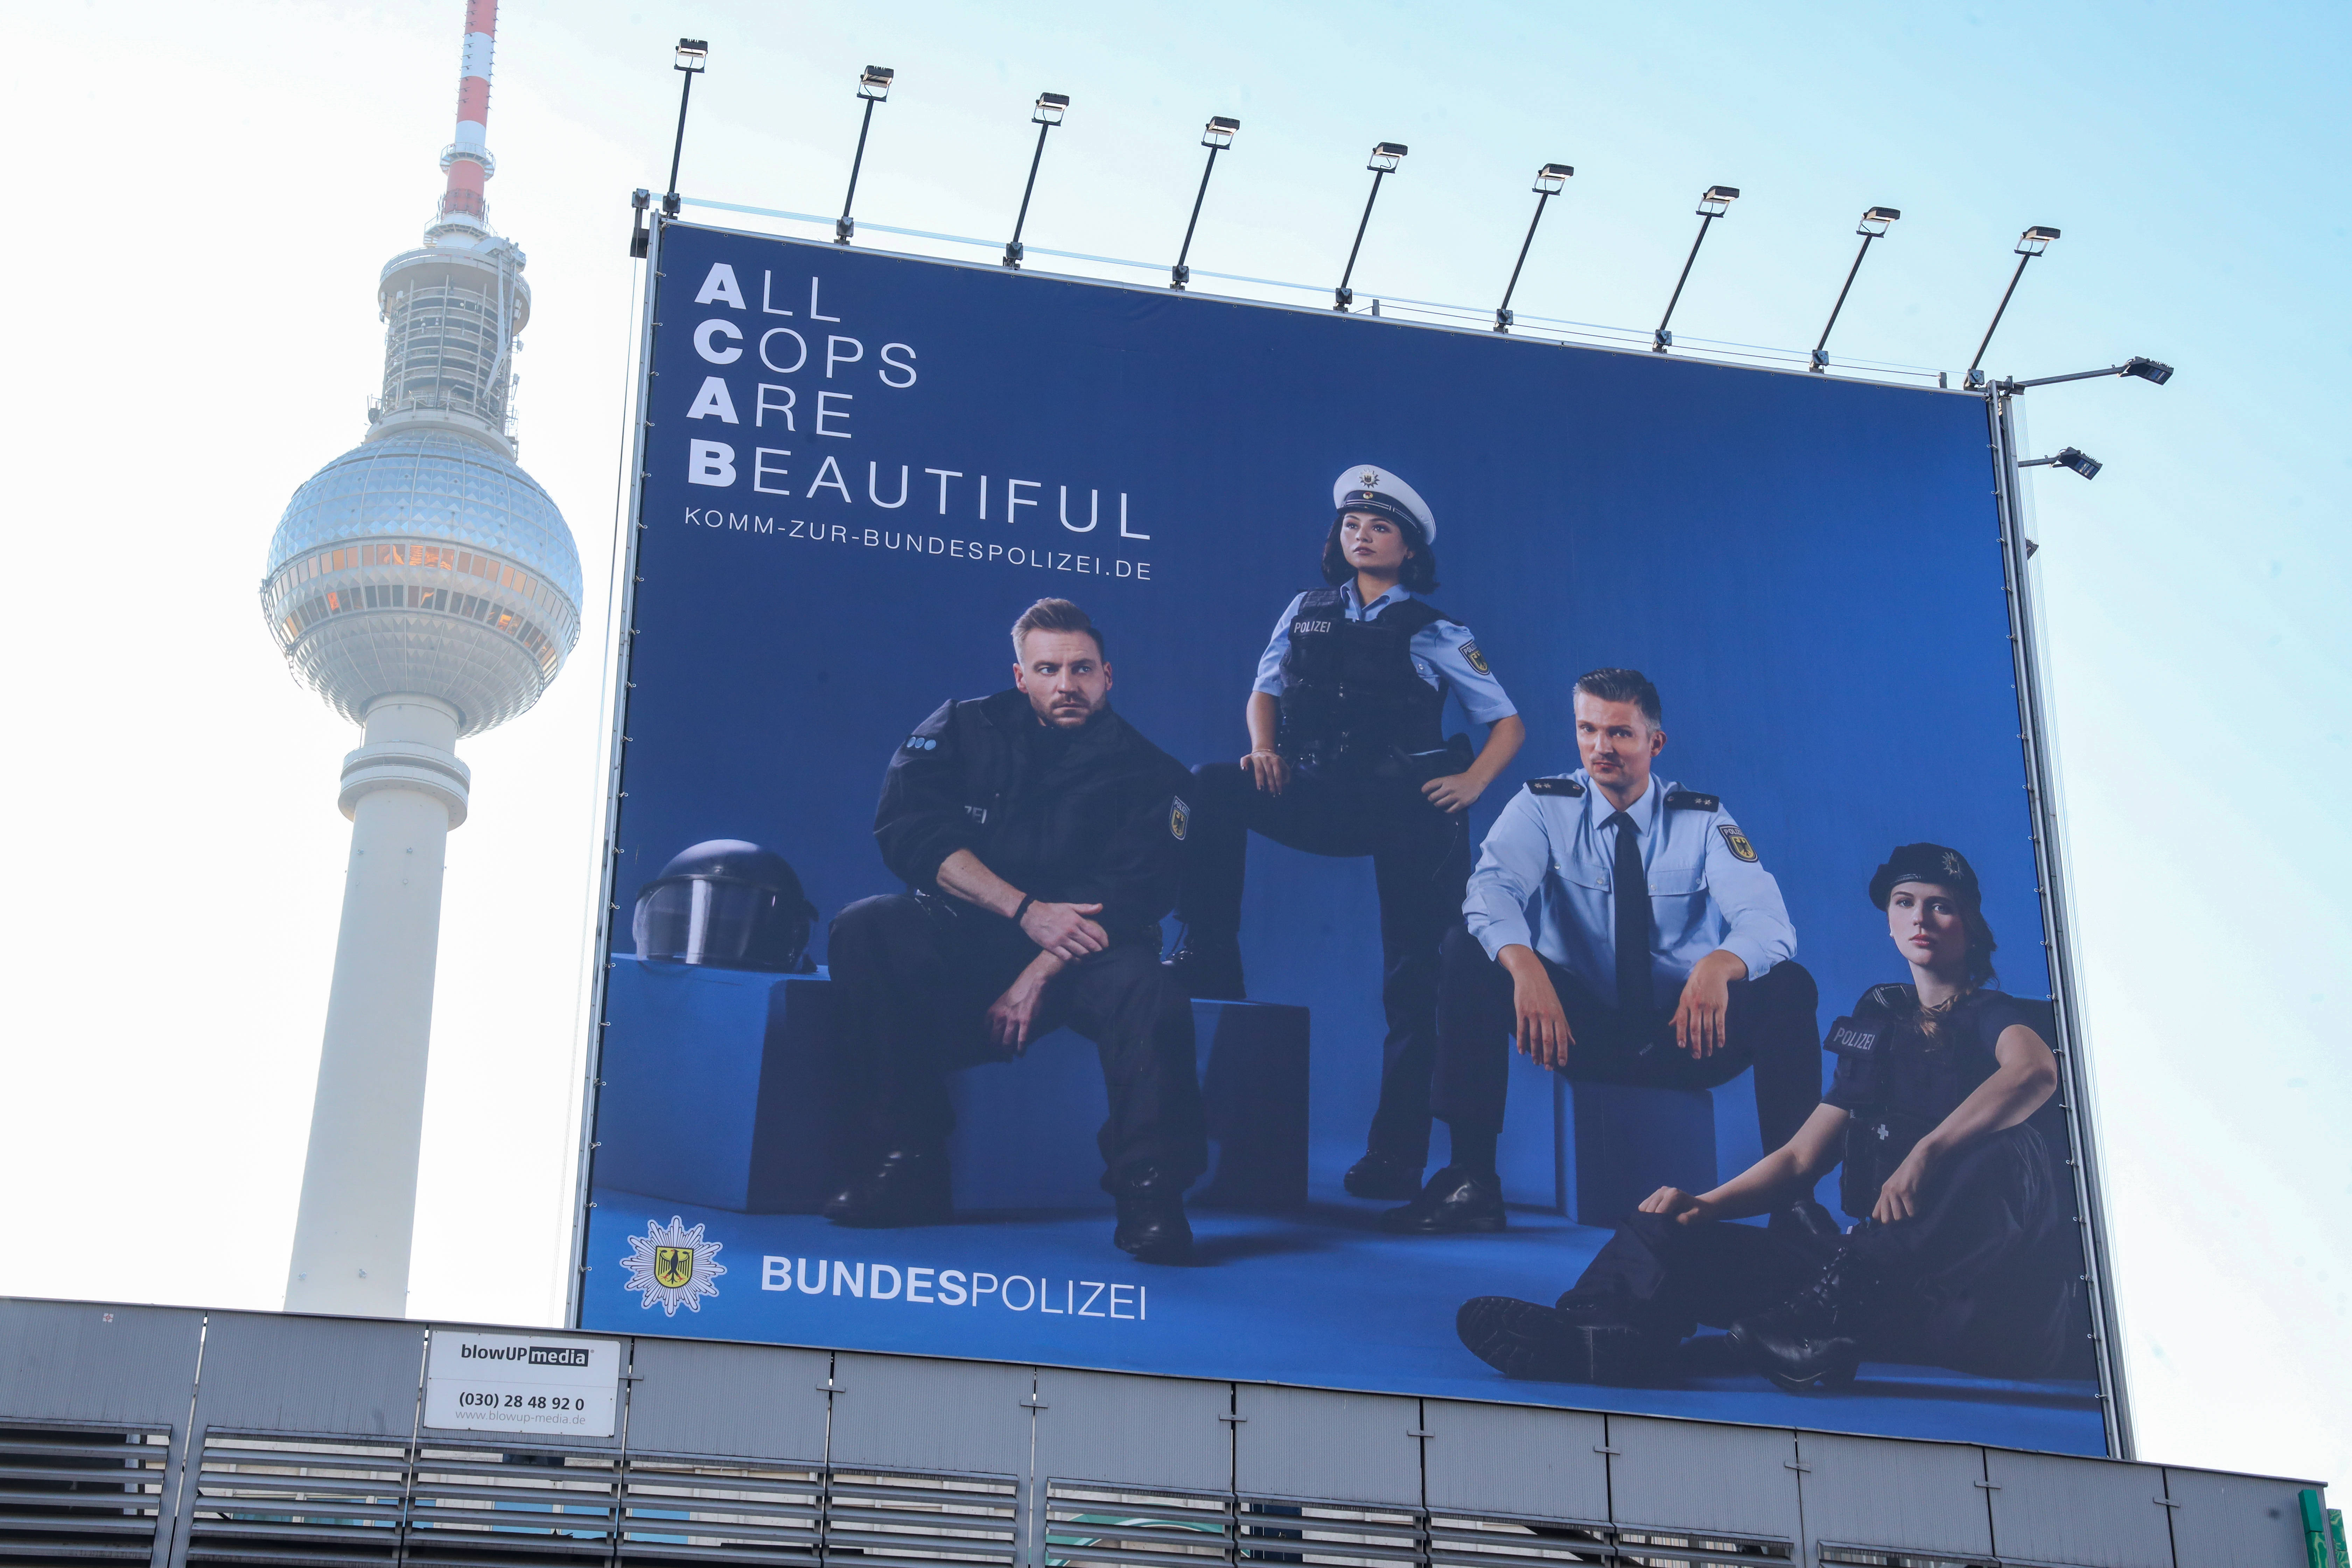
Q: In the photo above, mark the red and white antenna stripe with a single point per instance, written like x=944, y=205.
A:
x=467, y=159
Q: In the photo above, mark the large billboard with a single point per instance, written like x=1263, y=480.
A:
x=1239, y=984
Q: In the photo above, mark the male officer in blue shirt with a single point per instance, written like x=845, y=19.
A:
x=1683, y=986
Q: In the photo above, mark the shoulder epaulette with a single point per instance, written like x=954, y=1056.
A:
x=1692, y=800
x=1554, y=786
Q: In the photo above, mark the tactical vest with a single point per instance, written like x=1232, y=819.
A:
x=1900, y=1086
x=1351, y=698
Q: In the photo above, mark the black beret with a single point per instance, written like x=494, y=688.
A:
x=1925, y=863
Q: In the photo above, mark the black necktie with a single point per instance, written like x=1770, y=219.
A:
x=1633, y=896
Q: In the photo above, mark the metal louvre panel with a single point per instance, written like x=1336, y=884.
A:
x=1088, y=1522
x=1275, y=1531
x=703, y=1510
x=1459, y=1541
x=478, y=1507
x=1866, y=1557
x=74, y=1496
x=296, y=1500
x=1664, y=1549
x=888, y=1520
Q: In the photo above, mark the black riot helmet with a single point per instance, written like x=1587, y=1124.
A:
x=728, y=905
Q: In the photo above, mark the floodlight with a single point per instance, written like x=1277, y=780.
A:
x=1051, y=107
x=639, y=240
x=2030, y=243
x=2147, y=369
x=1217, y=136
x=1712, y=204
x=2072, y=457
x=874, y=87
x=1386, y=156
x=693, y=57
x=1875, y=221
x=1550, y=180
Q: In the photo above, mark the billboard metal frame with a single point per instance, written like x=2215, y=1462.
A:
x=2057, y=914
x=2041, y=783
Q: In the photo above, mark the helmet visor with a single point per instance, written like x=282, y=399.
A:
x=726, y=925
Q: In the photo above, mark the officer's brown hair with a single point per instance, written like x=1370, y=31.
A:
x=1056, y=616
x=1622, y=685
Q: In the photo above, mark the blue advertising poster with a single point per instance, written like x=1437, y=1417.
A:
x=1238, y=985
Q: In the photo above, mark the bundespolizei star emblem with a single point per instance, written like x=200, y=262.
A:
x=672, y=1267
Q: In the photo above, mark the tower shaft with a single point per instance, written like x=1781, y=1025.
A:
x=403, y=791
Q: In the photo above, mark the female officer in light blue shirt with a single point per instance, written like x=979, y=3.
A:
x=1349, y=756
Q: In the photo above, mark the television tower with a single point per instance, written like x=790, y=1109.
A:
x=427, y=588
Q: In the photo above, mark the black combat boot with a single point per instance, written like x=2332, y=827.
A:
x=1151, y=1223
x=1548, y=1344
x=1456, y=1200
x=910, y=1187
x=1814, y=1337
x=1378, y=1175
x=1208, y=967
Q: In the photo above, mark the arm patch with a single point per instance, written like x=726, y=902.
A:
x=1179, y=818
x=1737, y=842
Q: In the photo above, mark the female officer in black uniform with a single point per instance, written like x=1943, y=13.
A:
x=1349, y=756
x=1944, y=1112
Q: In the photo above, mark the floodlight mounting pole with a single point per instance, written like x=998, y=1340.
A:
x=677, y=147
x=842, y=228
x=1503, y=310
x=1012, y=248
x=2014, y=386
x=1180, y=273
x=1342, y=296
x=1977, y=364
x=1820, y=349
x=1660, y=340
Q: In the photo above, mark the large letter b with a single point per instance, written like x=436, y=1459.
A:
x=710, y=463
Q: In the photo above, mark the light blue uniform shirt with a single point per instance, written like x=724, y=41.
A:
x=1546, y=880
x=1441, y=652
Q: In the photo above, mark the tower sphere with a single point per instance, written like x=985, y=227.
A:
x=424, y=561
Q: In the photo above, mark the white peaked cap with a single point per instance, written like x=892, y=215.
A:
x=1366, y=488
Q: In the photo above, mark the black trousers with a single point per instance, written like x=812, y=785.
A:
x=1981, y=1279
x=1421, y=864
x=917, y=976
x=1771, y=1027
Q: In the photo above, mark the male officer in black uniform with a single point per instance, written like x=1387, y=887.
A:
x=1042, y=839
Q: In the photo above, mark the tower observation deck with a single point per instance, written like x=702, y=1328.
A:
x=427, y=588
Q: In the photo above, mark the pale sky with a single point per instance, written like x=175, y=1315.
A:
x=208, y=193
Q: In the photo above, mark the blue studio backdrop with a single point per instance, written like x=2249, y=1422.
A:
x=860, y=470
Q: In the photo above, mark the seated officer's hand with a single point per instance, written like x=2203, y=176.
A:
x=1682, y=1207
x=1542, y=1022
x=1064, y=930
x=1455, y=792
x=1707, y=1002
x=1012, y=1015
x=1268, y=769
x=1898, y=1199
